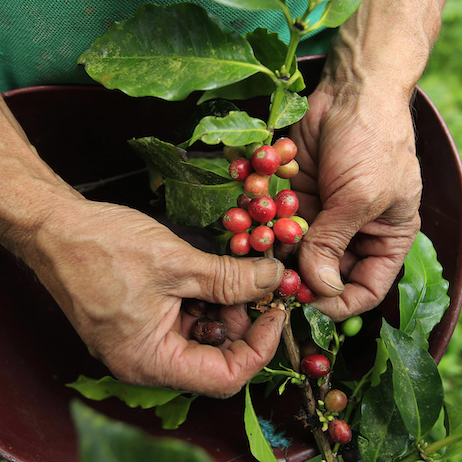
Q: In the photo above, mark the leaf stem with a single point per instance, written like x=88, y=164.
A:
x=278, y=96
x=432, y=448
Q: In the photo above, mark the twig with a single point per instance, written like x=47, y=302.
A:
x=309, y=400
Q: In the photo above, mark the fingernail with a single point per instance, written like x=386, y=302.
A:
x=330, y=276
x=267, y=271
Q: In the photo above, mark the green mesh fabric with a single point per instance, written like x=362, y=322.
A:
x=40, y=40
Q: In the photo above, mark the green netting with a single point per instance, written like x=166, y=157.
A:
x=40, y=40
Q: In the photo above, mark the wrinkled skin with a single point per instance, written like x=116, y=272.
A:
x=359, y=181
x=120, y=276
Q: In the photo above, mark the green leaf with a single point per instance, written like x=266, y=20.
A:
x=417, y=384
x=292, y=109
x=174, y=413
x=168, y=51
x=259, y=445
x=251, y=4
x=453, y=424
x=419, y=336
x=236, y=129
x=422, y=289
x=383, y=434
x=380, y=363
x=169, y=160
x=278, y=184
x=322, y=327
x=105, y=440
x=132, y=395
x=199, y=205
x=217, y=165
x=219, y=108
x=338, y=11
x=269, y=51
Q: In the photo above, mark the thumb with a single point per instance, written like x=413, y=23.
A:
x=322, y=248
x=228, y=280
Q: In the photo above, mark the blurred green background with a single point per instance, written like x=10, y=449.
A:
x=442, y=81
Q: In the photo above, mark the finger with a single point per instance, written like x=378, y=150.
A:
x=322, y=248
x=229, y=281
x=370, y=277
x=236, y=320
x=207, y=370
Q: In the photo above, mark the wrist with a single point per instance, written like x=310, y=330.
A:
x=384, y=47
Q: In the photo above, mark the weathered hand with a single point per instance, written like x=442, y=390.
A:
x=120, y=277
x=359, y=187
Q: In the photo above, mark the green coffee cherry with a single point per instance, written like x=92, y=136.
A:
x=352, y=326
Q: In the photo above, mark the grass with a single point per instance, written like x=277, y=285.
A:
x=442, y=81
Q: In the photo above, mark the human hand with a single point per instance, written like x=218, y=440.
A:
x=359, y=186
x=119, y=276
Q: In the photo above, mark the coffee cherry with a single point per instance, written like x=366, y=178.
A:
x=266, y=160
x=290, y=284
x=315, y=366
x=261, y=238
x=351, y=453
x=352, y=326
x=243, y=201
x=237, y=220
x=195, y=307
x=288, y=171
x=240, y=244
x=286, y=203
x=302, y=222
x=308, y=347
x=240, y=169
x=335, y=401
x=340, y=431
x=257, y=185
x=251, y=148
x=262, y=209
x=305, y=294
x=286, y=149
x=208, y=331
x=287, y=231
x=231, y=153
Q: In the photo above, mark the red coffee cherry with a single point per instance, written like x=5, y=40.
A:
x=288, y=171
x=340, y=431
x=305, y=294
x=335, y=401
x=290, y=284
x=240, y=244
x=262, y=209
x=286, y=203
x=243, y=201
x=266, y=160
x=257, y=185
x=286, y=149
x=209, y=332
x=287, y=231
x=240, y=169
x=261, y=238
x=237, y=220
x=315, y=366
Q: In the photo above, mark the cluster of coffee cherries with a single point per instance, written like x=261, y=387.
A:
x=316, y=366
x=259, y=219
